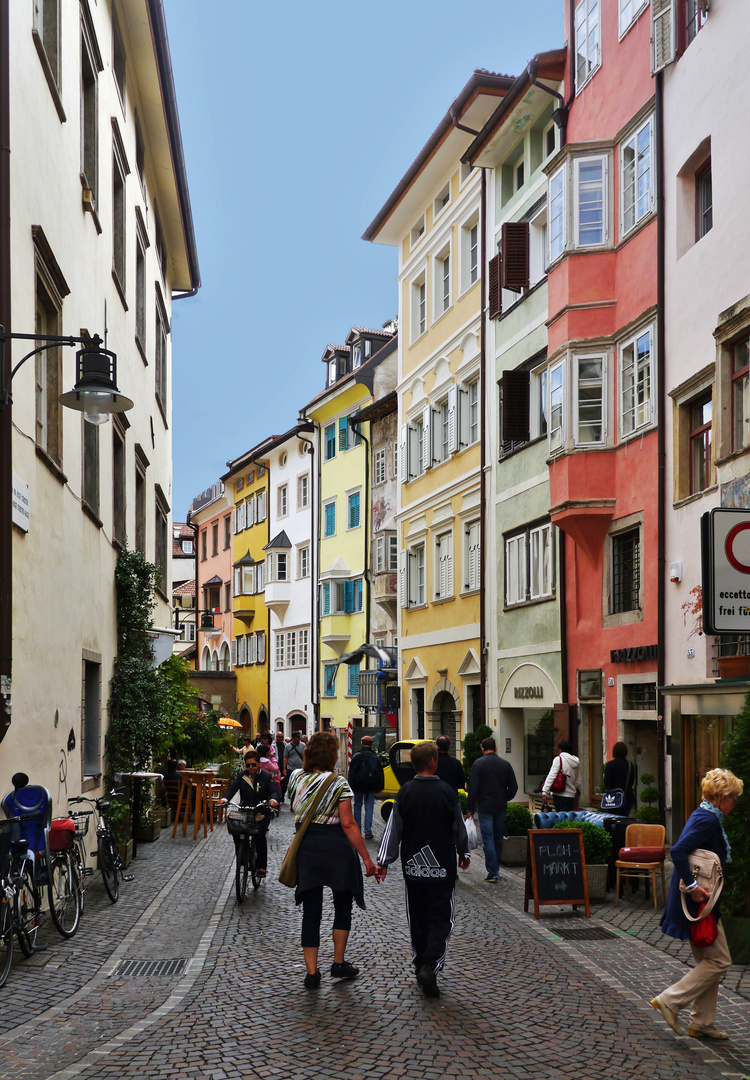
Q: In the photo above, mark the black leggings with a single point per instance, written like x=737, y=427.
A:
x=312, y=913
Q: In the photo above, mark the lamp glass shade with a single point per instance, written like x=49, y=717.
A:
x=95, y=393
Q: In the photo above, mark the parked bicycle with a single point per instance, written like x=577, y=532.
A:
x=20, y=904
x=245, y=823
x=107, y=851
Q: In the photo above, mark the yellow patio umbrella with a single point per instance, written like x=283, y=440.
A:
x=228, y=722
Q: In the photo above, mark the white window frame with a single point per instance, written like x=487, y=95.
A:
x=470, y=270
x=303, y=561
x=472, y=412
x=577, y=360
x=541, y=584
x=515, y=570
x=556, y=196
x=538, y=401
x=578, y=163
x=418, y=301
x=629, y=10
x=443, y=566
x=471, y=555
x=649, y=414
x=379, y=470
x=283, y=500
x=416, y=575
x=303, y=637
x=442, y=281
x=556, y=434
x=633, y=142
x=441, y=449
x=260, y=507
x=303, y=491
x=587, y=18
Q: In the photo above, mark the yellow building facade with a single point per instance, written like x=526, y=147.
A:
x=343, y=550
x=247, y=484
x=434, y=219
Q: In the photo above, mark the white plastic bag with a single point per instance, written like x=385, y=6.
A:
x=471, y=832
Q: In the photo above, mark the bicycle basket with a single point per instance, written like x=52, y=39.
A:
x=82, y=824
x=242, y=820
x=61, y=834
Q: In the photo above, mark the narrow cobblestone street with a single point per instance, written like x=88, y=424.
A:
x=517, y=999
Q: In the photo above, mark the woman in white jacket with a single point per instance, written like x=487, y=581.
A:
x=568, y=762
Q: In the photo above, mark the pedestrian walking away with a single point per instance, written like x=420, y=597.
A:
x=566, y=762
x=700, y=987
x=366, y=777
x=492, y=785
x=280, y=747
x=449, y=768
x=327, y=856
x=620, y=775
x=427, y=825
x=254, y=786
x=293, y=755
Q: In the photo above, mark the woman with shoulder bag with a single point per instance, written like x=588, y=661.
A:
x=620, y=776
x=327, y=855
x=563, y=788
x=704, y=830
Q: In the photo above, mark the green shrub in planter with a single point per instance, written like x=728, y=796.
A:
x=518, y=820
x=472, y=746
x=649, y=816
x=597, y=843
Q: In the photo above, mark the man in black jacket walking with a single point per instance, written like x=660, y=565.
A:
x=449, y=768
x=492, y=786
x=426, y=822
x=365, y=778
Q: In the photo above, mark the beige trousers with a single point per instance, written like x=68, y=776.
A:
x=701, y=984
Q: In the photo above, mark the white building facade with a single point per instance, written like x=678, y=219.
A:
x=100, y=240
x=291, y=580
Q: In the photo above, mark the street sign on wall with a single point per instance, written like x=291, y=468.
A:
x=725, y=557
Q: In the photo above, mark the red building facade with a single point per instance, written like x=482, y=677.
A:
x=602, y=380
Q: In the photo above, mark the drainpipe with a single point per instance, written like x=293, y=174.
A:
x=366, y=501
x=6, y=417
x=482, y=455
x=661, y=434
x=314, y=621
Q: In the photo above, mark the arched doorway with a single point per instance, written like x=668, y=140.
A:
x=444, y=719
x=263, y=725
x=246, y=719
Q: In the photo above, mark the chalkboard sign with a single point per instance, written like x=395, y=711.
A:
x=556, y=869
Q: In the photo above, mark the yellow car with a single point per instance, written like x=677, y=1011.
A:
x=397, y=773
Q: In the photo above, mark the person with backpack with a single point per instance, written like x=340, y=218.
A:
x=365, y=778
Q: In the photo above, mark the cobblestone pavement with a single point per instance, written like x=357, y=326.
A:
x=517, y=1000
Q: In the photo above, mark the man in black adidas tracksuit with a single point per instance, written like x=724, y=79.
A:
x=427, y=823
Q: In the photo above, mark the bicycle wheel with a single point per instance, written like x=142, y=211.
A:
x=64, y=898
x=108, y=867
x=6, y=938
x=27, y=913
x=240, y=874
x=253, y=862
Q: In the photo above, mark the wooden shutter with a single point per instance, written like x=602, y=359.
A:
x=403, y=454
x=472, y=577
x=515, y=387
x=261, y=646
x=453, y=419
x=663, y=26
x=427, y=438
x=565, y=725
x=233, y=654
x=495, y=297
x=515, y=268
x=402, y=593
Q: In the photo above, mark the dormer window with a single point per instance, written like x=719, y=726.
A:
x=331, y=372
x=356, y=355
x=417, y=231
x=442, y=200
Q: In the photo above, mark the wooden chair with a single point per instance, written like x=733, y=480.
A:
x=642, y=863
x=217, y=812
x=172, y=793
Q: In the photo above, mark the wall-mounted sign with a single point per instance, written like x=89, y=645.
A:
x=20, y=505
x=637, y=652
x=528, y=691
x=725, y=559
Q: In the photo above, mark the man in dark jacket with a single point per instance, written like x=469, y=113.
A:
x=254, y=786
x=492, y=786
x=449, y=768
x=426, y=822
x=365, y=778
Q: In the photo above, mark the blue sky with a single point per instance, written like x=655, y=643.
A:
x=298, y=120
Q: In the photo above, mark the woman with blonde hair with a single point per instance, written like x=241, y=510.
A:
x=700, y=987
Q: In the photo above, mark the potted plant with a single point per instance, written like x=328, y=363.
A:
x=735, y=902
x=648, y=794
x=472, y=746
x=736, y=664
x=597, y=849
x=149, y=824
x=518, y=821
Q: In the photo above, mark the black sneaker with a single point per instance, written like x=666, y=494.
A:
x=428, y=981
x=312, y=982
x=344, y=970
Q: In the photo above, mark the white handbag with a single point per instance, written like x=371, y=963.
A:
x=705, y=867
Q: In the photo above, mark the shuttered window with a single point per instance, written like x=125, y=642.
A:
x=495, y=297
x=515, y=406
x=515, y=264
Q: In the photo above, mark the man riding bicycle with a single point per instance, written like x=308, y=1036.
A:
x=254, y=786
